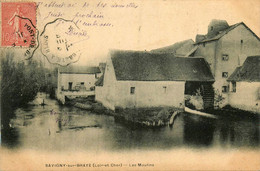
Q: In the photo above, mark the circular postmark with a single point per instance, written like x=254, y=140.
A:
x=30, y=38
x=61, y=41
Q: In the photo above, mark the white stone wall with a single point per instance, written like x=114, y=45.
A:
x=246, y=97
x=106, y=93
x=147, y=93
x=102, y=96
x=207, y=51
x=237, y=52
x=88, y=79
x=231, y=45
x=150, y=94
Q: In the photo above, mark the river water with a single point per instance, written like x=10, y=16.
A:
x=60, y=128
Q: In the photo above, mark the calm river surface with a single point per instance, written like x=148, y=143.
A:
x=60, y=128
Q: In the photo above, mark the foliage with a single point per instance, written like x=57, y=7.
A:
x=20, y=81
x=218, y=99
x=163, y=115
x=195, y=101
x=198, y=92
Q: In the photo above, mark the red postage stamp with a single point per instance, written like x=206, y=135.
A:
x=19, y=24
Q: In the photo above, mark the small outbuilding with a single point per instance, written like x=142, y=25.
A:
x=244, y=85
x=76, y=81
x=77, y=78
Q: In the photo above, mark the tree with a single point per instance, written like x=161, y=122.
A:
x=20, y=83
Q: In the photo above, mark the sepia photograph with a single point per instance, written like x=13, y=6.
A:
x=130, y=85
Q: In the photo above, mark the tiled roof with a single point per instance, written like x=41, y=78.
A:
x=249, y=71
x=224, y=32
x=100, y=81
x=179, y=48
x=146, y=66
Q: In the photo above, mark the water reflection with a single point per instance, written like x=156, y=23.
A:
x=35, y=127
x=238, y=133
x=10, y=138
x=198, y=131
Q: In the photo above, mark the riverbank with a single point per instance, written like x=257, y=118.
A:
x=145, y=117
x=229, y=112
x=155, y=116
x=72, y=129
x=148, y=117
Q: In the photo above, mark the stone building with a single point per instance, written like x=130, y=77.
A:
x=225, y=48
x=136, y=79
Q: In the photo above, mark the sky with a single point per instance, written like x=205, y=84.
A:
x=153, y=24
x=156, y=24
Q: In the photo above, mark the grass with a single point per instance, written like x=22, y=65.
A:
x=154, y=114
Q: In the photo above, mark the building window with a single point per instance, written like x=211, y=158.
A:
x=70, y=85
x=224, y=74
x=224, y=89
x=234, y=86
x=82, y=83
x=241, y=41
x=211, y=28
x=225, y=57
x=132, y=90
x=164, y=87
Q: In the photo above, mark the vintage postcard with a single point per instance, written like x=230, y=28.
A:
x=130, y=85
